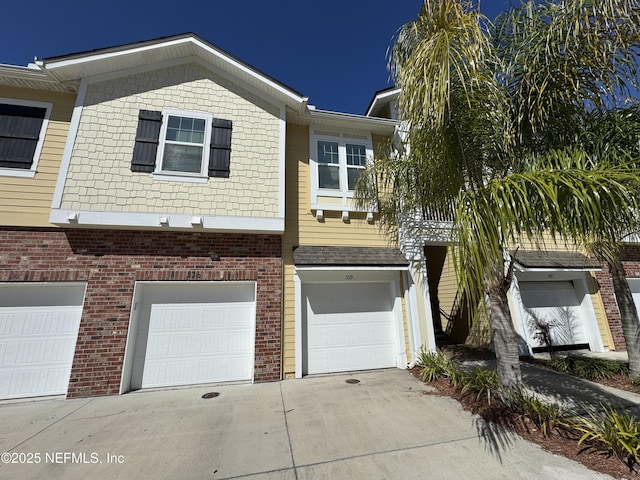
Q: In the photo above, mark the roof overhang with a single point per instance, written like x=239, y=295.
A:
x=312, y=257
x=31, y=77
x=554, y=261
x=380, y=99
x=74, y=67
x=345, y=121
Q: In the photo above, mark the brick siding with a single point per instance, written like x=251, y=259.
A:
x=112, y=261
x=631, y=263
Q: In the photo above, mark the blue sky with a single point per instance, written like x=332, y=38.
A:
x=332, y=51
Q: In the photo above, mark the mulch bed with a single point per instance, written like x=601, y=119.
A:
x=558, y=441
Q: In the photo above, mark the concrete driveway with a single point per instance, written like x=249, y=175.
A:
x=384, y=427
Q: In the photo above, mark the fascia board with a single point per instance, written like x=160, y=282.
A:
x=101, y=62
x=352, y=121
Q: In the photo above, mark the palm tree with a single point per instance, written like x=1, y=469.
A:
x=615, y=134
x=492, y=113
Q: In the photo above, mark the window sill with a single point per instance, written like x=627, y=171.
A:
x=16, y=172
x=177, y=177
x=341, y=208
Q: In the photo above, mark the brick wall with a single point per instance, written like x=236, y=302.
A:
x=112, y=261
x=631, y=262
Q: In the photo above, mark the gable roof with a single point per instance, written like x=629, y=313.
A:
x=65, y=72
x=381, y=99
x=73, y=67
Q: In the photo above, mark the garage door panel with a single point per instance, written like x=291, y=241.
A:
x=182, y=343
x=44, y=351
x=33, y=382
x=357, y=358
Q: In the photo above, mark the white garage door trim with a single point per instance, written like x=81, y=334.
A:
x=346, y=276
x=634, y=286
x=188, y=333
x=39, y=325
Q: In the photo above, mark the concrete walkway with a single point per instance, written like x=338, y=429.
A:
x=387, y=426
x=574, y=393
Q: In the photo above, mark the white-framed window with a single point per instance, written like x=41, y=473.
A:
x=179, y=145
x=23, y=124
x=337, y=160
x=184, y=143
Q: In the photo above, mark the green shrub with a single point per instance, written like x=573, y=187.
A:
x=481, y=381
x=588, y=367
x=544, y=415
x=610, y=431
x=435, y=365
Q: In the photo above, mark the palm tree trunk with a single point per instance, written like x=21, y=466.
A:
x=628, y=315
x=505, y=340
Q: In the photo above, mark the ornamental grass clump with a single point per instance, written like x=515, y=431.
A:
x=588, y=367
x=545, y=415
x=437, y=365
x=611, y=432
x=482, y=381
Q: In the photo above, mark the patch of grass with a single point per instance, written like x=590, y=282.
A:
x=588, y=367
x=613, y=432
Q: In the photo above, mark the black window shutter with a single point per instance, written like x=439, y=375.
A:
x=220, y=152
x=20, y=128
x=147, y=137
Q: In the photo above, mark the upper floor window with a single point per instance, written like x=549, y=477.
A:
x=22, y=128
x=337, y=160
x=185, y=141
x=182, y=145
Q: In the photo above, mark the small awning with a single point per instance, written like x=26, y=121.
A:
x=349, y=256
x=554, y=260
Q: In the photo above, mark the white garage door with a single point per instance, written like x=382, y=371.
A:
x=194, y=333
x=348, y=327
x=556, y=304
x=38, y=331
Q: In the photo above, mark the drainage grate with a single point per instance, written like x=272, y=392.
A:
x=211, y=395
x=352, y=381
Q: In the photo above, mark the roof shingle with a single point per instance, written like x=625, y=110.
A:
x=359, y=256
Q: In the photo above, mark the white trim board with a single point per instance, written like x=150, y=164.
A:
x=80, y=218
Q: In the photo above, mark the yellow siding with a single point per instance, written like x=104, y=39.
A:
x=27, y=201
x=480, y=330
x=302, y=228
x=601, y=316
x=448, y=288
x=405, y=325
